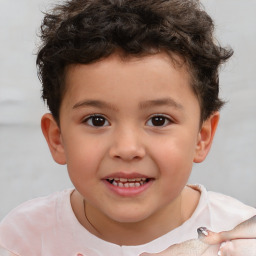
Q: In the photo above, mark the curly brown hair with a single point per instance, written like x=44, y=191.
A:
x=85, y=31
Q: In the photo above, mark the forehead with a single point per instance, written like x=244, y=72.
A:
x=161, y=62
x=119, y=76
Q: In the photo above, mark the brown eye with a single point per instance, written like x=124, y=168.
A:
x=97, y=121
x=158, y=120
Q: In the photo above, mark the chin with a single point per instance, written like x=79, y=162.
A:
x=128, y=217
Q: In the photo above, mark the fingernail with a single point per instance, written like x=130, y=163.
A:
x=202, y=231
x=221, y=246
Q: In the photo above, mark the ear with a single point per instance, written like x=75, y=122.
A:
x=205, y=137
x=52, y=135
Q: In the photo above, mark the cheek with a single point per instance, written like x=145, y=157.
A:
x=174, y=159
x=83, y=157
x=176, y=153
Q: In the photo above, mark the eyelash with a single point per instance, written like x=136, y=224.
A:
x=89, y=120
x=167, y=120
x=104, y=122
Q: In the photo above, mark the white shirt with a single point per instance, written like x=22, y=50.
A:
x=47, y=226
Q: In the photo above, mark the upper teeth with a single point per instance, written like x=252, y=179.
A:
x=123, y=182
x=128, y=180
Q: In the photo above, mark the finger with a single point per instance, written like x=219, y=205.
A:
x=209, y=237
x=226, y=249
x=238, y=247
x=246, y=229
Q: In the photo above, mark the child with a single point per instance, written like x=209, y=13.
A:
x=132, y=87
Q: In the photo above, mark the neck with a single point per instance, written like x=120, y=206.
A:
x=158, y=224
x=133, y=233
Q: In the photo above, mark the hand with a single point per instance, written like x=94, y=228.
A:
x=238, y=247
x=240, y=241
x=246, y=229
x=193, y=247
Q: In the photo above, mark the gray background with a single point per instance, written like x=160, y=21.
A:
x=27, y=169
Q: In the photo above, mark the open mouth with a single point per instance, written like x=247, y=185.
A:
x=128, y=183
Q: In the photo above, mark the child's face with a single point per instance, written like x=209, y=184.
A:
x=134, y=119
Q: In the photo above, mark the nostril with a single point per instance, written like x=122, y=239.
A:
x=127, y=153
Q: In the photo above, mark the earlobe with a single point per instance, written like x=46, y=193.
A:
x=52, y=135
x=205, y=137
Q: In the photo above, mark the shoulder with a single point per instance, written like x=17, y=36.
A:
x=228, y=204
x=227, y=211
x=27, y=222
x=37, y=209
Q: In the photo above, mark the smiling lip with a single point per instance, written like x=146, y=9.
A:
x=128, y=185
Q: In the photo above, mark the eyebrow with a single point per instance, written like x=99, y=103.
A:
x=145, y=104
x=94, y=103
x=161, y=102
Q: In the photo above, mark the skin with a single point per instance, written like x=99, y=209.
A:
x=193, y=247
x=127, y=95
x=239, y=241
x=239, y=247
x=246, y=229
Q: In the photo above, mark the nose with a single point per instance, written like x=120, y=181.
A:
x=127, y=145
